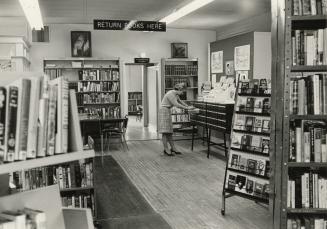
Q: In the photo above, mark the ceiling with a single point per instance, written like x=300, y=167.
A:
x=212, y=16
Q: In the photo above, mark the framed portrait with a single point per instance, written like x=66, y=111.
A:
x=179, y=50
x=229, y=67
x=81, y=43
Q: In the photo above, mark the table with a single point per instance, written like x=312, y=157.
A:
x=99, y=123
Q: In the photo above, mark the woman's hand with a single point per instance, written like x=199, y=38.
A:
x=190, y=108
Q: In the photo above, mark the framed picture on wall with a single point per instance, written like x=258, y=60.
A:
x=81, y=44
x=179, y=50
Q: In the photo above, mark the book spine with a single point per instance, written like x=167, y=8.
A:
x=51, y=121
x=42, y=128
x=3, y=101
x=311, y=192
x=23, y=125
x=10, y=129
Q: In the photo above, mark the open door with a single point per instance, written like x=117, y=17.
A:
x=153, y=96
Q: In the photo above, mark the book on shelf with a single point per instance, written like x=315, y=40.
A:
x=255, y=87
x=35, y=116
x=98, y=86
x=309, y=7
x=253, y=124
x=53, y=73
x=308, y=94
x=181, y=70
x=307, y=190
x=3, y=98
x=97, y=98
x=309, y=47
x=248, y=142
x=77, y=174
x=297, y=222
x=170, y=82
x=99, y=74
x=245, y=184
x=79, y=201
x=308, y=141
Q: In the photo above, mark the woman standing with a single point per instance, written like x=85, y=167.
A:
x=171, y=99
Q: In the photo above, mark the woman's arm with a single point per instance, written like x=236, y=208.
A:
x=181, y=102
x=174, y=101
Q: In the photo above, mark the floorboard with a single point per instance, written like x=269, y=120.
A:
x=186, y=189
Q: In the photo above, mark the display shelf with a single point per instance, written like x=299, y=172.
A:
x=45, y=161
x=77, y=189
x=304, y=68
x=308, y=117
x=314, y=211
x=248, y=173
x=181, y=122
x=252, y=132
x=254, y=95
x=250, y=152
x=253, y=113
x=307, y=164
x=247, y=196
x=311, y=18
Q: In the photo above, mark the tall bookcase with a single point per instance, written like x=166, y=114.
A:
x=300, y=70
x=134, y=100
x=180, y=70
x=96, y=81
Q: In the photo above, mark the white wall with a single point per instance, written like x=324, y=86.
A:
x=125, y=44
x=262, y=55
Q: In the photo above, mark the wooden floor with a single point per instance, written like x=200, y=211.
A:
x=186, y=190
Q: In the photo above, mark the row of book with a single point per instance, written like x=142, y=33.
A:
x=308, y=95
x=98, y=98
x=247, y=163
x=254, y=87
x=308, y=141
x=308, y=190
x=248, y=185
x=97, y=86
x=134, y=108
x=135, y=95
x=73, y=175
x=171, y=82
x=252, y=143
x=34, y=119
x=309, y=47
x=307, y=223
x=107, y=112
x=253, y=104
x=26, y=218
x=180, y=118
x=309, y=7
x=252, y=123
x=79, y=201
x=98, y=74
x=181, y=70
x=53, y=73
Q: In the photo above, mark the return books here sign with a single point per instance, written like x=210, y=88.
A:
x=129, y=25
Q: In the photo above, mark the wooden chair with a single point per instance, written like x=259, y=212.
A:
x=116, y=130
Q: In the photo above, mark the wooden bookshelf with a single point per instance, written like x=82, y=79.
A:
x=135, y=99
x=180, y=70
x=45, y=161
x=286, y=66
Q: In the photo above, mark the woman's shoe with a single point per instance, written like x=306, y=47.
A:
x=176, y=152
x=168, y=154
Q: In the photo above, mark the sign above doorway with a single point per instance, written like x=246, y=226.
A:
x=133, y=25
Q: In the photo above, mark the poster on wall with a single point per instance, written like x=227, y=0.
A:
x=217, y=62
x=229, y=67
x=242, y=57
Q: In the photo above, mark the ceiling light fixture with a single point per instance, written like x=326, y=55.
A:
x=32, y=12
x=192, y=6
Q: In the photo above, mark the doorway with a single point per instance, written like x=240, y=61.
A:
x=141, y=100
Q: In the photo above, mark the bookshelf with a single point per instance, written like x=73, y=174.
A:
x=303, y=74
x=96, y=81
x=180, y=70
x=134, y=100
x=247, y=171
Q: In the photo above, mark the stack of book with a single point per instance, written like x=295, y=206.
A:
x=308, y=141
x=308, y=94
x=98, y=75
x=77, y=174
x=309, y=7
x=23, y=219
x=90, y=86
x=309, y=47
x=98, y=98
x=308, y=190
x=181, y=70
x=75, y=200
x=36, y=119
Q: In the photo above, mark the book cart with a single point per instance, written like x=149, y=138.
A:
x=303, y=116
x=212, y=116
x=248, y=163
x=46, y=199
